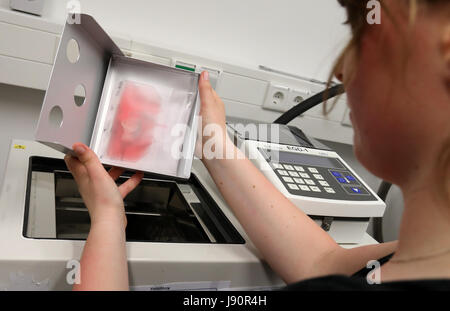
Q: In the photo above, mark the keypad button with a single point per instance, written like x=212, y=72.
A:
x=277, y=165
x=336, y=174
x=323, y=183
x=288, y=167
x=304, y=175
x=318, y=176
x=293, y=174
x=342, y=180
x=283, y=173
x=315, y=189
x=309, y=182
x=356, y=190
x=288, y=179
x=329, y=190
x=293, y=186
x=313, y=170
x=350, y=178
x=304, y=188
x=299, y=168
x=299, y=181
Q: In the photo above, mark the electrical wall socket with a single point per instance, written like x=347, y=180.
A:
x=276, y=98
x=296, y=97
x=281, y=98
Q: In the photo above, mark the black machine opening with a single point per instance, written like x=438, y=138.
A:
x=157, y=210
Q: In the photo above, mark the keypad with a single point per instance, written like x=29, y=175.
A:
x=320, y=182
x=297, y=178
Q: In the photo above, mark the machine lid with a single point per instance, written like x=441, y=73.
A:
x=76, y=84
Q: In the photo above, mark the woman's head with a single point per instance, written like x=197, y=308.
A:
x=397, y=78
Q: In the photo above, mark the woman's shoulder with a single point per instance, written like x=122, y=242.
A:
x=345, y=283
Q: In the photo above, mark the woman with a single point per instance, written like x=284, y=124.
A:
x=397, y=78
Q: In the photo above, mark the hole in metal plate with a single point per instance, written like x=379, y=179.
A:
x=79, y=95
x=73, y=51
x=56, y=116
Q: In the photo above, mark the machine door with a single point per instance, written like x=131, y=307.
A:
x=158, y=210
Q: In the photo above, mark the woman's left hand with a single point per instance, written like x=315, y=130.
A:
x=101, y=195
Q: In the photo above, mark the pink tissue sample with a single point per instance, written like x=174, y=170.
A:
x=135, y=120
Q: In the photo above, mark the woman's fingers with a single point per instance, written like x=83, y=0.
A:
x=90, y=160
x=130, y=184
x=77, y=169
x=115, y=172
x=205, y=89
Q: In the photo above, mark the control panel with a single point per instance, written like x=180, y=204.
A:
x=316, y=176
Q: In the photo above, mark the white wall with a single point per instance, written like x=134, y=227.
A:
x=298, y=36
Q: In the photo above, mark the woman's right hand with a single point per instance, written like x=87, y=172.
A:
x=213, y=122
x=102, y=197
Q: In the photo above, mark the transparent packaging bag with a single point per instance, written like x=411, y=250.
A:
x=146, y=119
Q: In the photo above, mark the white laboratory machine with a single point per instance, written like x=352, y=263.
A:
x=312, y=176
x=180, y=233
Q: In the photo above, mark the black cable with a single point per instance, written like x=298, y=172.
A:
x=383, y=191
x=309, y=103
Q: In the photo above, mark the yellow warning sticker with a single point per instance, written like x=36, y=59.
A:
x=19, y=147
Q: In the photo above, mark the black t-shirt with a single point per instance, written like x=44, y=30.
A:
x=358, y=282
